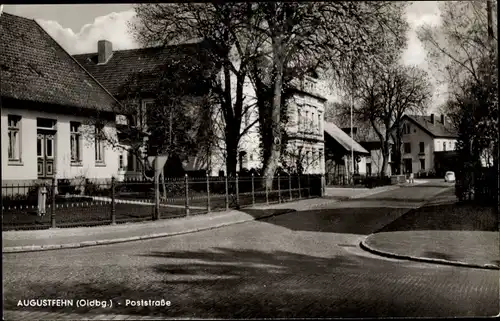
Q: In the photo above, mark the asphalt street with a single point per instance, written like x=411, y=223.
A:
x=303, y=264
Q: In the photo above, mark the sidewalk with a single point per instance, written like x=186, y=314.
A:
x=39, y=240
x=442, y=231
x=354, y=193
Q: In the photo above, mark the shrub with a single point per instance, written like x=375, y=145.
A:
x=375, y=181
x=64, y=186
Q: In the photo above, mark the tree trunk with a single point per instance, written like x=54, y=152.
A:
x=385, y=158
x=163, y=183
x=271, y=164
x=231, y=160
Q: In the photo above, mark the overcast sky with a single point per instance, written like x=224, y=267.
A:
x=78, y=27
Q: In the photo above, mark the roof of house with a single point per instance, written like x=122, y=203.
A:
x=34, y=67
x=144, y=66
x=343, y=139
x=438, y=129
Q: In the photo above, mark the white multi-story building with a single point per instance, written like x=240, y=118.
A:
x=424, y=137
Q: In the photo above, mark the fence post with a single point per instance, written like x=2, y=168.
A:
x=157, y=192
x=323, y=185
x=113, y=202
x=290, y=186
x=237, y=193
x=279, y=189
x=186, y=184
x=208, y=193
x=267, y=192
x=308, y=186
x=300, y=191
x=53, y=207
x=227, y=194
x=253, y=191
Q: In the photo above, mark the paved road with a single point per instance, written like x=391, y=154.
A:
x=304, y=264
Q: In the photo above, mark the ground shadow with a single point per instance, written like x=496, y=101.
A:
x=243, y=283
x=450, y=217
x=344, y=218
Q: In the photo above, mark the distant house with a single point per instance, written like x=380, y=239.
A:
x=305, y=128
x=429, y=143
x=48, y=100
x=339, y=148
x=365, y=135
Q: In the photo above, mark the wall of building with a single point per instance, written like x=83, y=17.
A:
x=376, y=162
x=250, y=141
x=431, y=145
x=27, y=168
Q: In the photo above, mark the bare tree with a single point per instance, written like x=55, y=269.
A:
x=233, y=46
x=385, y=95
x=463, y=52
x=315, y=36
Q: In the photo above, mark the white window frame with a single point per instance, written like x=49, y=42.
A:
x=99, y=149
x=75, y=136
x=14, y=130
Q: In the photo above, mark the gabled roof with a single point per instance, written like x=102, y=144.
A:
x=343, y=139
x=34, y=67
x=144, y=66
x=438, y=129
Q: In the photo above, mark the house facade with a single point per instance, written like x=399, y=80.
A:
x=364, y=134
x=49, y=102
x=305, y=131
x=340, y=149
x=426, y=140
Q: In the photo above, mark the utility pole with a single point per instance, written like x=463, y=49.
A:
x=493, y=60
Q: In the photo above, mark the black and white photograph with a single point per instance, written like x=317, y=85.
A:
x=248, y=160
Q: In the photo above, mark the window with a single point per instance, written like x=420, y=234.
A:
x=120, y=161
x=320, y=129
x=320, y=158
x=406, y=128
x=251, y=157
x=299, y=120
x=407, y=148
x=307, y=122
x=130, y=161
x=444, y=146
x=313, y=122
x=247, y=118
x=45, y=123
x=99, y=145
x=421, y=147
x=75, y=142
x=14, y=133
x=422, y=164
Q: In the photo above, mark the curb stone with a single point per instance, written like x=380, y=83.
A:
x=372, y=250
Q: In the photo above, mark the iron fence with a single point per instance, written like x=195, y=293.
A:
x=77, y=202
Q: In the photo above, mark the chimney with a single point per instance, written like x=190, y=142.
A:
x=432, y=119
x=443, y=119
x=104, y=51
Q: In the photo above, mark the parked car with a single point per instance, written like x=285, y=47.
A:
x=449, y=177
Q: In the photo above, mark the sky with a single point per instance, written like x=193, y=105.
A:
x=78, y=28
